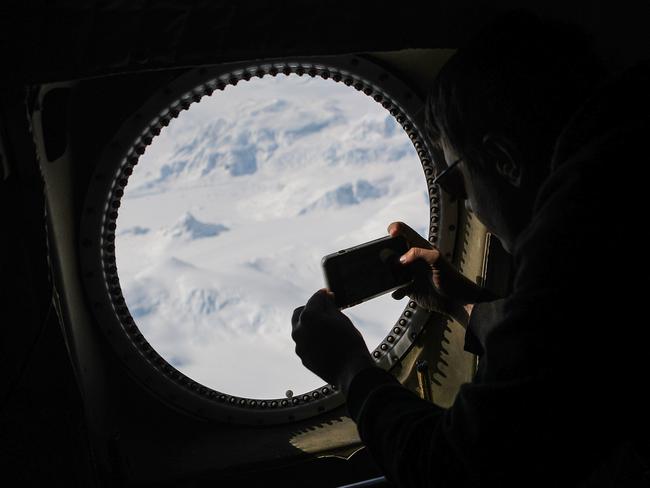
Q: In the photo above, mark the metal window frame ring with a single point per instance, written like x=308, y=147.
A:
x=101, y=210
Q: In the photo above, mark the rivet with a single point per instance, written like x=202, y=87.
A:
x=397, y=330
x=390, y=339
x=383, y=347
x=402, y=321
x=376, y=354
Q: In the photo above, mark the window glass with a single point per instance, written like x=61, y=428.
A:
x=227, y=215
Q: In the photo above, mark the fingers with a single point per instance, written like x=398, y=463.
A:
x=430, y=256
x=401, y=292
x=413, y=238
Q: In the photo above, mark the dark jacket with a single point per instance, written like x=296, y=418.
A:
x=559, y=398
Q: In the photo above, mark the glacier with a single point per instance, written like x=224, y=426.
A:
x=228, y=213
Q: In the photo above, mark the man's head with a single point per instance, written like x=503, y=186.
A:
x=499, y=104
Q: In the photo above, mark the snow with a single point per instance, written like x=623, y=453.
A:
x=227, y=216
x=188, y=228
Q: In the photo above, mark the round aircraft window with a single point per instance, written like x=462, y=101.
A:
x=228, y=213
x=208, y=216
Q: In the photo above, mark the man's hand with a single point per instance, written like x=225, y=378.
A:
x=438, y=285
x=327, y=342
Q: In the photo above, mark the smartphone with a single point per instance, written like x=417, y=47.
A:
x=360, y=273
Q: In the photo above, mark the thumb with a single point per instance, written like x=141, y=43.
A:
x=320, y=301
x=430, y=256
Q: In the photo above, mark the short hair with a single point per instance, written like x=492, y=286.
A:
x=521, y=77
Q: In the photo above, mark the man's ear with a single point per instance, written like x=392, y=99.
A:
x=504, y=155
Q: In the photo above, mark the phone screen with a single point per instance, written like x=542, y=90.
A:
x=366, y=271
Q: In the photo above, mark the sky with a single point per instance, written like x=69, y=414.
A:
x=229, y=212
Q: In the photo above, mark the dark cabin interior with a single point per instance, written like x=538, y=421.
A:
x=74, y=73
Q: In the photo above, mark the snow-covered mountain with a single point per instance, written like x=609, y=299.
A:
x=188, y=228
x=229, y=212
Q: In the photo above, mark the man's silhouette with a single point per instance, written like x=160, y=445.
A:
x=550, y=154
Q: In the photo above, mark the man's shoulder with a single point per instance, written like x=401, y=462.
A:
x=618, y=106
x=595, y=185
